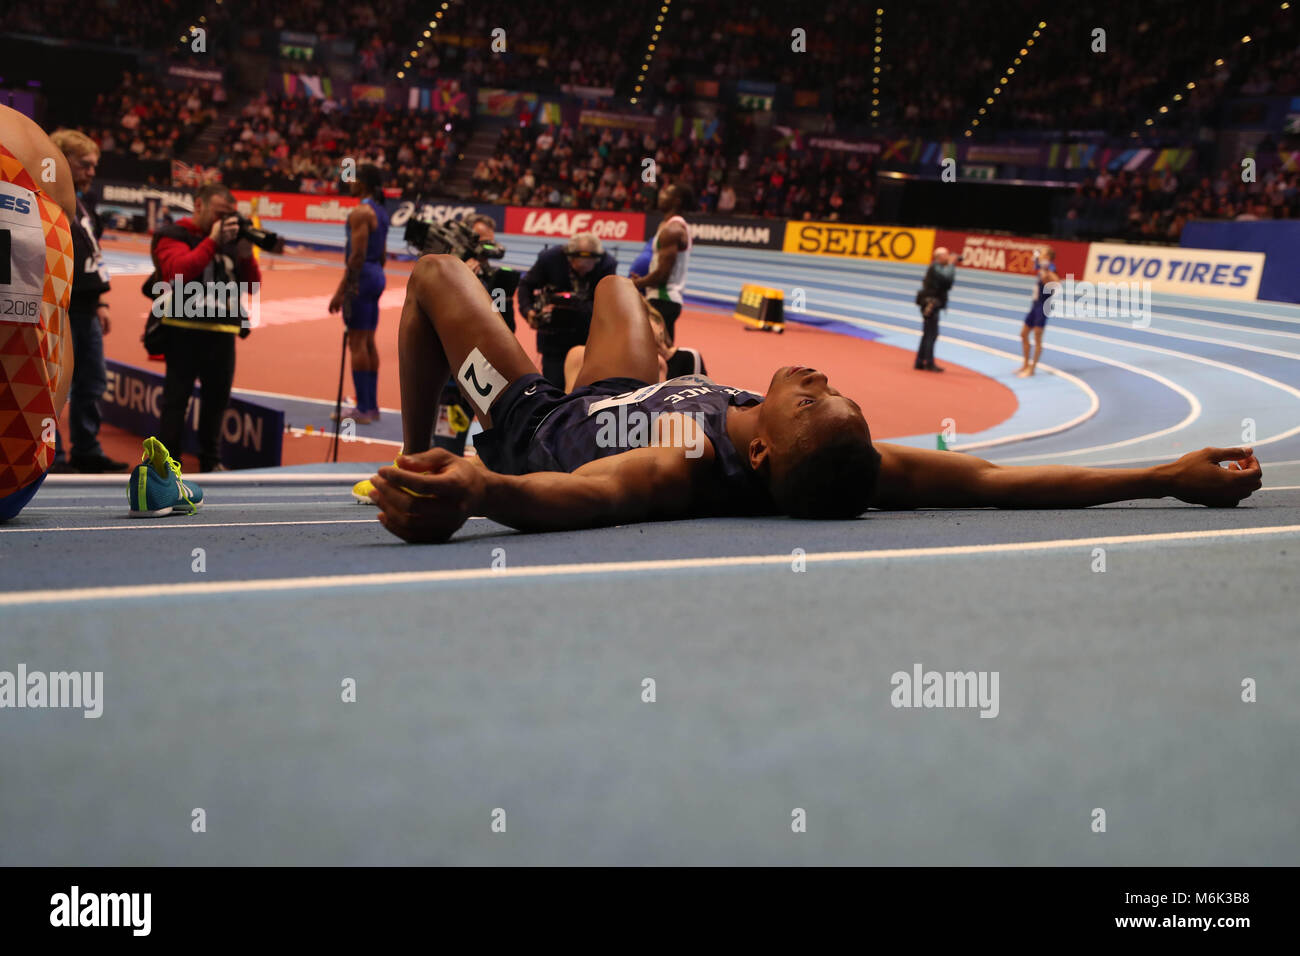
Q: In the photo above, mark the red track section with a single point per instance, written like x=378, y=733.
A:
x=301, y=358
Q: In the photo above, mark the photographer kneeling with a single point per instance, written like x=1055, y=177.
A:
x=198, y=310
x=555, y=297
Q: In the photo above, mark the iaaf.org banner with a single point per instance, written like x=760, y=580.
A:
x=1207, y=272
x=568, y=222
x=1011, y=253
x=884, y=243
x=253, y=434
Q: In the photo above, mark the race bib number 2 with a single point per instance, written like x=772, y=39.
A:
x=22, y=256
x=480, y=382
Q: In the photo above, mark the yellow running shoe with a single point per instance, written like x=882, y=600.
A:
x=156, y=487
x=361, y=491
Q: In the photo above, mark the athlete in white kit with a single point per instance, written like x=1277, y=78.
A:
x=664, y=283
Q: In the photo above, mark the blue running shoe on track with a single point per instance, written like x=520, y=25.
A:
x=156, y=487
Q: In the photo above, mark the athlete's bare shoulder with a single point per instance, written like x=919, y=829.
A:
x=362, y=214
x=676, y=232
x=35, y=150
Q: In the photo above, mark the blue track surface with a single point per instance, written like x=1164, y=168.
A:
x=506, y=671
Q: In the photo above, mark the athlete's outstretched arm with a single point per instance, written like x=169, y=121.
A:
x=921, y=478
x=645, y=484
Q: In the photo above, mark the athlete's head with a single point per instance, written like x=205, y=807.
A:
x=1049, y=253
x=369, y=182
x=813, y=447
x=942, y=256
x=584, y=250
x=676, y=198
x=82, y=155
x=213, y=201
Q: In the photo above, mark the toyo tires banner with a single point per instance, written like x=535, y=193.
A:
x=1208, y=272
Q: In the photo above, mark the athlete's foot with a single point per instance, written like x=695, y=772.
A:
x=1022, y=372
x=935, y=368
x=357, y=415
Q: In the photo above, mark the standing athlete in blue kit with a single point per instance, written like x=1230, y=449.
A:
x=1036, y=319
x=622, y=448
x=364, y=253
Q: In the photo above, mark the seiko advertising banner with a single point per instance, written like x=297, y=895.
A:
x=883, y=243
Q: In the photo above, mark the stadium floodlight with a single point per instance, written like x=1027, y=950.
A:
x=1010, y=71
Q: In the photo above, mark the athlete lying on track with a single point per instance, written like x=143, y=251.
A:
x=618, y=450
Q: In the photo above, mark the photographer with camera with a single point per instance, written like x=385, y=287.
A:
x=933, y=298
x=214, y=247
x=556, y=294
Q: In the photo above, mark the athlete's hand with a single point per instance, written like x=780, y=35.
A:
x=105, y=322
x=1198, y=478
x=425, y=498
x=336, y=302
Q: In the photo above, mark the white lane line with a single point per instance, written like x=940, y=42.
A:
x=1174, y=353
x=334, y=581
x=1224, y=366
x=313, y=502
x=218, y=479
x=324, y=403
x=296, y=432
x=1194, y=411
x=1094, y=402
x=164, y=524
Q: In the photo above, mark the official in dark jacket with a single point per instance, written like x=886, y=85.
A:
x=932, y=298
x=88, y=316
x=200, y=335
x=575, y=267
